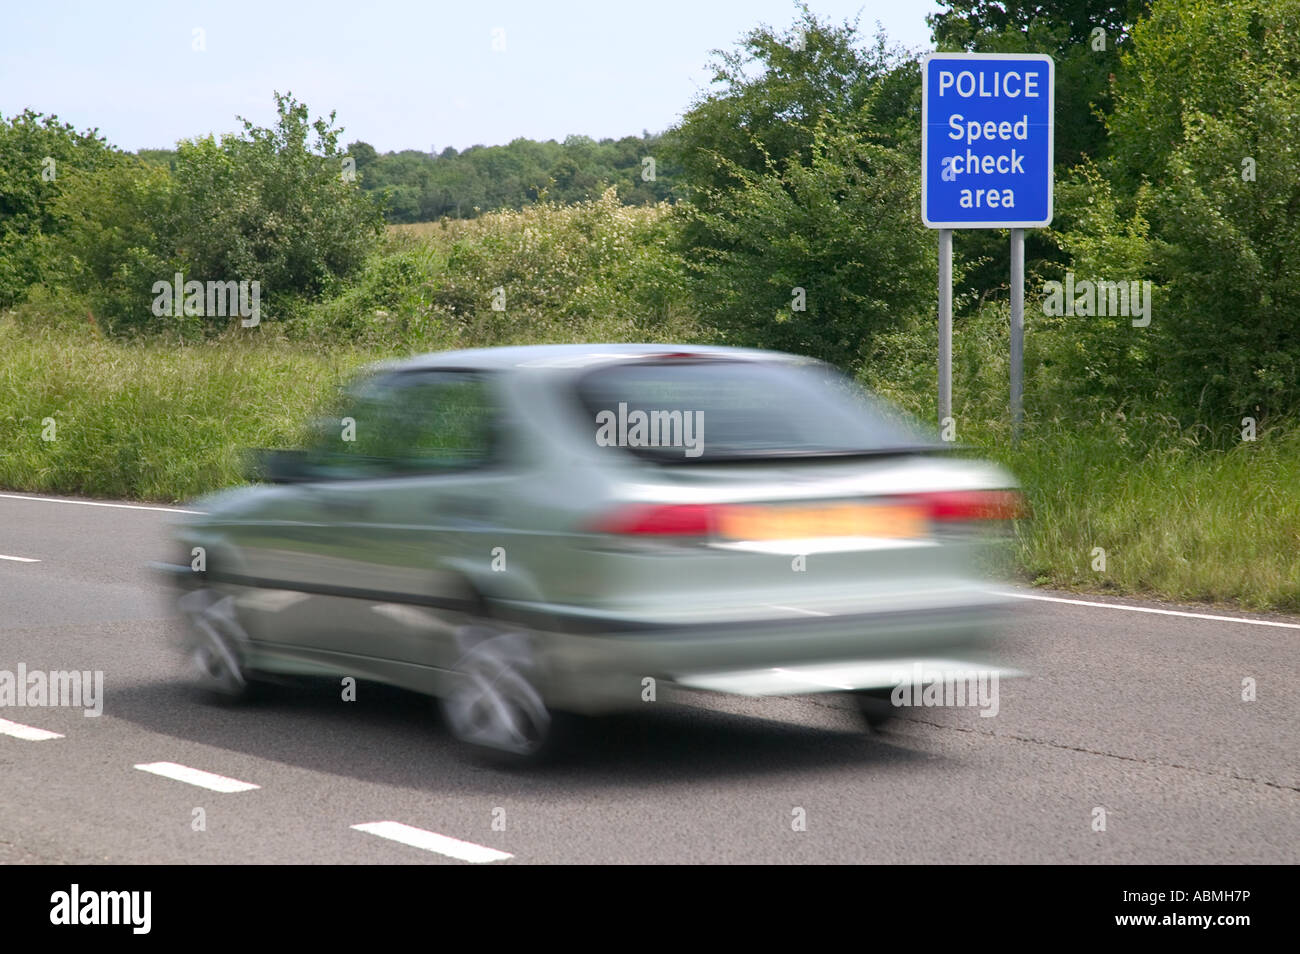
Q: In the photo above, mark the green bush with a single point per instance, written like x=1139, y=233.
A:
x=1208, y=96
x=843, y=228
x=38, y=157
x=266, y=206
x=269, y=205
x=592, y=271
x=113, y=241
x=1095, y=364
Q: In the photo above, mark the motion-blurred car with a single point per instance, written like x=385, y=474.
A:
x=522, y=532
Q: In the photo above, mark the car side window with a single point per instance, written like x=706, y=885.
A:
x=410, y=422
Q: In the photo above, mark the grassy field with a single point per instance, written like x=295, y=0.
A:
x=594, y=271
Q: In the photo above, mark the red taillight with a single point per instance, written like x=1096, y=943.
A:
x=665, y=520
x=947, y=505
x=883, y=516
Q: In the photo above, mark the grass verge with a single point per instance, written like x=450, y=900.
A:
x=149, y=421
x=156, y=421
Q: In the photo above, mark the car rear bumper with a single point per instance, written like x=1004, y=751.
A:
x=609, y=668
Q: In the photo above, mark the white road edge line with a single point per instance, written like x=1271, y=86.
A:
x=797, y=609
x=1151, y=609
x=193, y=776
x=432, y=841
x=96, y=503
x=26, y=732
x=18, y=559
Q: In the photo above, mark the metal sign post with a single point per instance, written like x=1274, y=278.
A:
x=986, y=163
x=1017, y=331
x=945, y=326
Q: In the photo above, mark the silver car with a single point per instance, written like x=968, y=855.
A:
x=530, y=532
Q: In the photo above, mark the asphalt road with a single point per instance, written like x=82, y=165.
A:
x=1136, y=713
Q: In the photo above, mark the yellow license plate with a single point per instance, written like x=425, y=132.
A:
x=745, y=522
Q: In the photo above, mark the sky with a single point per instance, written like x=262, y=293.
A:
x=401, y=74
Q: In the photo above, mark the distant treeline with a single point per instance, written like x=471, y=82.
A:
x=424, y=187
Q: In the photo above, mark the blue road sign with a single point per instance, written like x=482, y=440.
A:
x=986, y=142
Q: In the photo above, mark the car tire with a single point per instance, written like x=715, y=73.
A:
x=213, y=645
x=494, y=706
x=875, y=706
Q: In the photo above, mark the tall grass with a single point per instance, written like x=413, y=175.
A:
x=1174, y=518
x=149, y=420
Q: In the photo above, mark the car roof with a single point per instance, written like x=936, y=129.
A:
x=571, y=356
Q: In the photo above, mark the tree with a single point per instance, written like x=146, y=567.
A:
x=802, y=171
x=770, y=91
x=364, y=154
x=268, y=205
x=1204, y=124
x=1085, y=59
x=816, y=257
x=272, y=204
x=38, y=157
x=114, y=238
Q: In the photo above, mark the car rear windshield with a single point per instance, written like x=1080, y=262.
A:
x=709, y=410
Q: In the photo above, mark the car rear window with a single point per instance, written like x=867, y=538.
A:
x=692, y=410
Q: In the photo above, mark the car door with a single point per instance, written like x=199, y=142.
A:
x=405, y=487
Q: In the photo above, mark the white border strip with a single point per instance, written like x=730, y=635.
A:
x=193, y=776
x=432, y=841
x=1151, y=609
x=26, y=732
x=97, y=503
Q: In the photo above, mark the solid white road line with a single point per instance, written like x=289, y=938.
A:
x=183, y=773
x=26, y=732
x=96, y=503
x=1151, y=609
x=18, y=559
x=432, y=841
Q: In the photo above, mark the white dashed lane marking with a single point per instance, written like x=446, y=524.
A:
x=26, y=732
x=193, y=776
x=432, y=841
x=19, y=559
